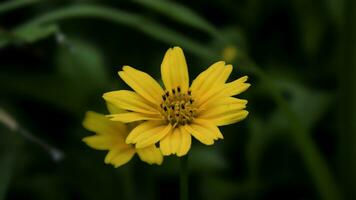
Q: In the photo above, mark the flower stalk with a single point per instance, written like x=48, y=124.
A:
x=184, y=178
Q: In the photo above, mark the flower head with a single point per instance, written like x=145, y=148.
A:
x=172, y=115
x=111, y=135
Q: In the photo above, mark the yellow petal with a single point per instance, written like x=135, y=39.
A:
x=100, y=124
x=174, y=70
x=210, y=82
x=169, y=142
x=133, y=117
x=152, y=136
x=138, y=130
x=113, y=109
x=202, y=82
x=142, y=83
x=222, y=106
x=201, y=133
x=119, y=156
x=150, y=154
x=229, y=89
x=165, y=145
x=129, y=100
x=214, y=131
x=236, y=87
x=218, y=85
x=102, y=142
x=178, y=142
x=221, y=101
x=228, y=117
x=185, y=142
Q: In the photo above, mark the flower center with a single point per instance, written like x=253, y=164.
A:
x=177, y=107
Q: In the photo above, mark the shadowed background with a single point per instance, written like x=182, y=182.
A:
x=57, y=58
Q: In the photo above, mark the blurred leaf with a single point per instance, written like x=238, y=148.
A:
x=27, y=34
x=9, y=145
x=14, y=4
x=311, y=25
x=33, y=33
x=48, y=88
x=7, y=161
x=82, y=72
x=82, y=63
x=335, y=9
x=308, y=104
x=135, y=21
x=206, y=159
x=215, y=187
x=179, y=13
x=5, y=39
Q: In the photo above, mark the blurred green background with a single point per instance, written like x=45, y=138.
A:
x=57, y=58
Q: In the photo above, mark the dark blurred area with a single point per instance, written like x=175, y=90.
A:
x=57, y=58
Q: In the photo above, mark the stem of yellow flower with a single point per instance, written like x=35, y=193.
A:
x=184, y=178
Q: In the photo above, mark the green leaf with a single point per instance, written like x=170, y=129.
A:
x=27, y=34
x=14, y=4
x=308, y=104
x=179, y=13
x=134, y=21
x=34, y=33
x=82, y=63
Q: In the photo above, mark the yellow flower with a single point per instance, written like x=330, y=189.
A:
x=111, y=135
x=173, y=115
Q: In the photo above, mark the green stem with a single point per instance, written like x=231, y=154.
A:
x=184, y=178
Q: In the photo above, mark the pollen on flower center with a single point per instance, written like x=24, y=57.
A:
x=177, y=107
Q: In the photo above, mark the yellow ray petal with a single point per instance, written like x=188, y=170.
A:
x=133, y=117
x=226, y=118
x=178, y=142
x=218, y=85
x=185, y=142
x=222, y=106
x=221, y=101
x=169, y=142
x=100, y=124
x=102, y=142
x=203, y=81
x=152, y=136
x=130, y=100
x=114, y=109
x=201, y=133
x=236, y=87
x=138, y=130
x=174, y=70
x=165, y=145
x=210, y=82
x=150, y=154
x=229, y=89
x=142, y=83
x=214, y=131
x=119, y=156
